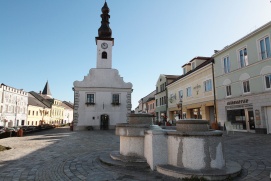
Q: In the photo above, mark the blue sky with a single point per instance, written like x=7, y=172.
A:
x=54, y=40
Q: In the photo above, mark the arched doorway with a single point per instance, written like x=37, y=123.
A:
x=104, y=122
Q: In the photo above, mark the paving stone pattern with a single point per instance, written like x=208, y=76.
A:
x=59, y=154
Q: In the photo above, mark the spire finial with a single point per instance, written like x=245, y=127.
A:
x=105, y=31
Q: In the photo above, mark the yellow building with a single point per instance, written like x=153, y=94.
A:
x=51, y=110
x=191, y=95
x=38, y=112
x=57, y=113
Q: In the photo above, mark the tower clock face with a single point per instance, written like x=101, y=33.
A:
x=104, y=45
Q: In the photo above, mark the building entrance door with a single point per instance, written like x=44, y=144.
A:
x=104, y=122
x=269, y=119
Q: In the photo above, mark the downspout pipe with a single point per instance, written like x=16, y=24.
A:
x=215, y=115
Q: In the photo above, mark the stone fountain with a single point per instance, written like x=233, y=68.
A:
x=132, y=136
x=190, y=150
x=194, y=150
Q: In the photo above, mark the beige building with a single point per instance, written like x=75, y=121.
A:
x=147, y=104
x=161, y=97
x=38, y=112
x=191, y=95
x=56, y=112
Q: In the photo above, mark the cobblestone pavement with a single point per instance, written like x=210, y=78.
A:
x=59, y=154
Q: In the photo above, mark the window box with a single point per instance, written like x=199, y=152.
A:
x=90, y=103
x=115, y=103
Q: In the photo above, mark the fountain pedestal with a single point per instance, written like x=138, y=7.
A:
x=193, y=150
x=132, y=137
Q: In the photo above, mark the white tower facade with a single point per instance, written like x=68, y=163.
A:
x=104, y=53
x=102, y=99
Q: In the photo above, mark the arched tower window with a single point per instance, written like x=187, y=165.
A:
x=104, y=55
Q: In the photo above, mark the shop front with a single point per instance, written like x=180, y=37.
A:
x=241, y=117
x=204, y=110
x=239, y=112
x=174, y=115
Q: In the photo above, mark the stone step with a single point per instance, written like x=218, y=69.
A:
x=232, y=170
x=108, y=160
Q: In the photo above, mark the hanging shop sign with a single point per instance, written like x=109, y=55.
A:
x=241, y=101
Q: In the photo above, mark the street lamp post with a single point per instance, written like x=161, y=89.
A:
x=180, y=105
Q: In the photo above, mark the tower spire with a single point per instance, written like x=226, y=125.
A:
x=46, y=91
x=105, y=31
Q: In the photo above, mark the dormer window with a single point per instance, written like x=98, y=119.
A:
x=104, y=55
x=184, y=70
x=193, y=65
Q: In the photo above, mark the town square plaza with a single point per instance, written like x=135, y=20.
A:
x=60, y=154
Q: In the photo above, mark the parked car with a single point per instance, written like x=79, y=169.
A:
x=10, y=131
x=26, y=129
x=2, y=132
x=33, y=128
x=2, y=129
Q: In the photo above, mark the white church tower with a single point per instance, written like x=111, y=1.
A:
x=102, y=99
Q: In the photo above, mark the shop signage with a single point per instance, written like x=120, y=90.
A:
x=197, y=87
x=243, y=101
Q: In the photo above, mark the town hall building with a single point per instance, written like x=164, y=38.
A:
x=102, y=99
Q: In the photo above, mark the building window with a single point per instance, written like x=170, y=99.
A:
x=193, y=65
x=246, y=87
x=268, y=81
x=116, y=99
x=226, y=64
x=265, y=48
x=188, y=92
x=243, y=57
x=156, y=100
x=181, y=95
x=160, y=101
x=104, y=55
x=184, y=70
x=228, y=90
x=208, y=85
x=90, y=99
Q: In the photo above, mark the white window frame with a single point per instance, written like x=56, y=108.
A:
x=245, y=57
x=228, y=70
x=89, y=101
x=208, y=85
x=188, y=93
x=264, y=79
x=113, y=101
x=243, y=86
x=228, y=87
x=267, y=54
